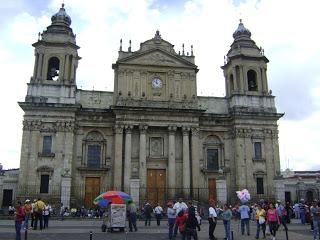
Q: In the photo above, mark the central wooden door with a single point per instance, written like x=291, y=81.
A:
x=92, y=190
x=156, y=186
x=212, y=187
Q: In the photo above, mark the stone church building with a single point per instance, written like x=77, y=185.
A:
x=153, y=136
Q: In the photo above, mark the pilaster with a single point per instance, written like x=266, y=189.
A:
x=195, y=157
x=172, y=161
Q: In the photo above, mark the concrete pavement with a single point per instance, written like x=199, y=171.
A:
x=79, y=229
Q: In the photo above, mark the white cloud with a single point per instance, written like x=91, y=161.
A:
x=286, y=29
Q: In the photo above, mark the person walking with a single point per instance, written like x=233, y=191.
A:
x=212, y=219
x=226, y=217
x=19, y=217
x=315, y=212
x=180, y=223
x=178, y=207
x=27, y=210
x=147, y=213
x=38, y=208
x=261, y=221
x=282, y=214
x=273, y=220
x=245, y=217
x=171, y=219
x=132, y=214
x=191, y=225
x=62, y=211
x=158, y=211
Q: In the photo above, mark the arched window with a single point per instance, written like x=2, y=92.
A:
x=231, y=82
x=53, y=69
x=252, y=80
x=94, y=147
x=213, y=153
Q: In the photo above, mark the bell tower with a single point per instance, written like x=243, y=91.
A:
x=245, y=66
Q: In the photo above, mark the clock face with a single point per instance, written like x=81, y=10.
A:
x=156, y=82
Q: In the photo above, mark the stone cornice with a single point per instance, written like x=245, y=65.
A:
x=58, y=126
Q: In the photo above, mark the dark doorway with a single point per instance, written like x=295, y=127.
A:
x=7, y=197
x=287, y=197
x=309, y=196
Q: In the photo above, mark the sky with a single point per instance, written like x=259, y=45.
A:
x=288, y=30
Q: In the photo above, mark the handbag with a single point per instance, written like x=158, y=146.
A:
x=261, y=220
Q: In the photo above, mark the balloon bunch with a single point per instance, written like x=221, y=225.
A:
x=243, y=195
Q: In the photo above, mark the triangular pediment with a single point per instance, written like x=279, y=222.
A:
x=157, y=57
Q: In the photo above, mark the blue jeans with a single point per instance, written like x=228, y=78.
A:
x=303, y=217
x=316, y=229
x=18, y=230
x=245, y=222
x=26, y=220
x=227, y=229
x=263, y=226
x=171, y=222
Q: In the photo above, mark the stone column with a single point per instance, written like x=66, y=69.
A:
x=242, y=79
x=36, y=60
x=117, y=161
x=40, y=66
x=142, y=160
x=127, y=159
x=186, y=162
x=172, y=162
x=195, y=159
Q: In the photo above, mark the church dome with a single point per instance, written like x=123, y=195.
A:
x=241, y=31
x=61, y=17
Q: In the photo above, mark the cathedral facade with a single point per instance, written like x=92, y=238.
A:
x=152, y=137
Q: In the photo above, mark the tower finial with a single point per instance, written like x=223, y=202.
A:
x=240, y=20
x=191, y=50
x=129, y=49
x=183, y=49
x=120, y=45
x=62, y=5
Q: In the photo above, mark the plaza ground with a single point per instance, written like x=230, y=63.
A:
x=78, y=229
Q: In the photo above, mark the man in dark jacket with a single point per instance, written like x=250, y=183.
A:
x=147, y=213
x=191, y=225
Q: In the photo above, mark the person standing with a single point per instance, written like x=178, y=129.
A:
x=178, y=207
x=226, y=217
x=302, y=211
x=245, y=217
x=212, y=219
x=273, y=220
x=180, y=223
x=261, y=221
x=315, y=212
x=147, y=213
x=158, y=212
x=46, y=215
x=38, y=209
x=132, y=213
x=62, y=211
x=171, y=219
x=19, y=217
x=27, y=210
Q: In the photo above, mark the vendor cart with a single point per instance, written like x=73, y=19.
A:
x=115, y=217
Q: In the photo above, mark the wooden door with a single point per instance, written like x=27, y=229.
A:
x=92, y=190
x=212, y=187
x=156, y=186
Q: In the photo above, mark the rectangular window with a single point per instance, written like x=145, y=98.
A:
x=257, y=150
x=94, y=156
x=47, y=144
x=44, y=184
x=260, y=189
x=212, y=159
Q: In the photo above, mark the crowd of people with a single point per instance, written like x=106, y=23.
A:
x=182, y=218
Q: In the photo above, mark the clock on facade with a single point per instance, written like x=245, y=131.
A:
x=156, y=82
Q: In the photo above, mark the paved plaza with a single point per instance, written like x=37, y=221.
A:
x=80, y=229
